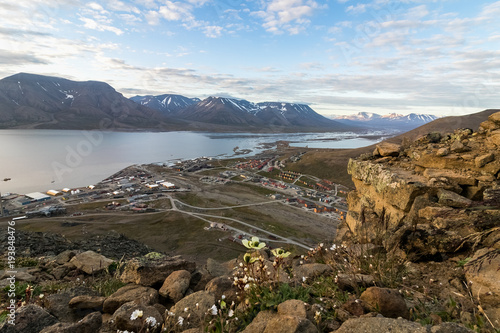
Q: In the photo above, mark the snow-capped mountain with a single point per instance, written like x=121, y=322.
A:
x=277, y=115
x=391, y=120
x=166, y=103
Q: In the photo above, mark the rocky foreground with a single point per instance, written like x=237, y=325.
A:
x=419, y=252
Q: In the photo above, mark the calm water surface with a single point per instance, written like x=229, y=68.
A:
x=39, y=160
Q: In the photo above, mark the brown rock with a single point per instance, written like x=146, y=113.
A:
x=293, y=307
x=175, y=285
x=487, y=125
x=290, y=324
x=131, y=292
x=442, y=152
x=187, y=307
x=455, y=176
x=354, y=307
x=376, y=324
x=258, y=325
x=494, y=140
x=153, y=272
x=91, y=262
x=451, y=199
x=65, y=257
x=123, y=319
x=86, y=302
x=495, y=118
x=89, y=324
x=388, y=302
x=482, y=160
x=388, y=149
x=222, y=286
x=458, y=147
x=483, y=271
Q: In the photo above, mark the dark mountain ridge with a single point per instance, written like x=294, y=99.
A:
x=37, y=101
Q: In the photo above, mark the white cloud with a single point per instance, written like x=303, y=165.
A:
x=176, y=11
x=212, y=31
x=94, y=25
x=287, y=15
x=358, y=9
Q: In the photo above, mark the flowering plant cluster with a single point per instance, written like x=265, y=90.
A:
x=221, y=317
x=255, y=271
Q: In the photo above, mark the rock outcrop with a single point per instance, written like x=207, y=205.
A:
x=430, y=197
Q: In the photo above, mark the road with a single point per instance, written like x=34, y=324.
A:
x=202, y=217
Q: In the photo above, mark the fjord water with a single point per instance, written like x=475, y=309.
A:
x=39, y=160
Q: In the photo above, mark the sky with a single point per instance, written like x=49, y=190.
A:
x=338, y=56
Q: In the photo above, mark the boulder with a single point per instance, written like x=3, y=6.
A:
x=376, y=324
x=495, y=118
x=89, y=324
x=293, y=307
x=91, y=262
x=57, y=304
x=452, y=199
x=175, y=285
x=86, y=302
x=195, y=306
x=131, y=292
x=482, y=160
x=153, y=272
x=290, y=324
x=388, y=302
x=137, y=318
x=388, y=149
x=29, y=319
x=220, y=286
x=259, y=323
x=64, y=257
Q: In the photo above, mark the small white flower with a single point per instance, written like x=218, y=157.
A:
x=171, y=314
x=151, y=321
x=180, y=321
x=230, y=313
x=304, y=279
x=41, y=295
x=136, y=314
x=186, y=309
x=223, y=297
x=213, y=310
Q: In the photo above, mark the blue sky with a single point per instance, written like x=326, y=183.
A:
x=339, y=56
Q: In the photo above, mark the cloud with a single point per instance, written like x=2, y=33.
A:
x=94, y=25
x=176, y=11
x=358, y=9
x=212, y=31
x=20, y=58
x=287, y=15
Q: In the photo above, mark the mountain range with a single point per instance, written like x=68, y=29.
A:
x=37, y=101
x=388, y=121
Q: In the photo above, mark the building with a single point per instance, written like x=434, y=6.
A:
x=35, y=197
x=53, y=193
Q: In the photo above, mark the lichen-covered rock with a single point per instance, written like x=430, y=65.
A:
x=153, y=272
x=195, y=306
x=91, y=262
